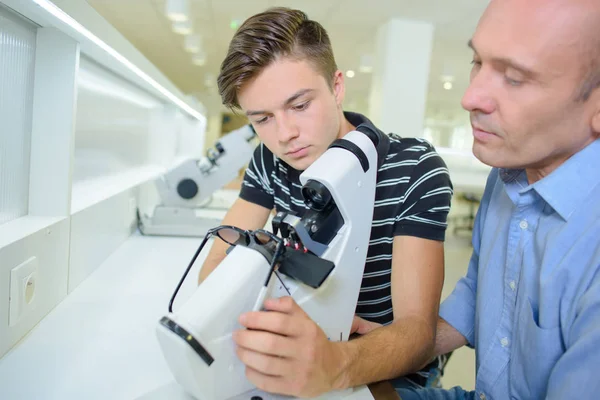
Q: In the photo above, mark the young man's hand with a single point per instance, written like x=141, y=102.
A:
x=286, y=352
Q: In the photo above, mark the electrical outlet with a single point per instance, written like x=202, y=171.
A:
x=23, y=285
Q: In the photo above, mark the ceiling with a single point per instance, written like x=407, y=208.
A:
x=352, y=26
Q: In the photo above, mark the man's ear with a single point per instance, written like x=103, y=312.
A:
x=594, y=101
x=596, y=122
x=339, y=87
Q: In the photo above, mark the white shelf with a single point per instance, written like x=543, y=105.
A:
x=20, y=228
x=93, y=191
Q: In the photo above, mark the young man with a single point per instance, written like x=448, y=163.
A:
x=280, y=71
x=530, y=302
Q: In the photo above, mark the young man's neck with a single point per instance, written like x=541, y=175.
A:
x=345, y=127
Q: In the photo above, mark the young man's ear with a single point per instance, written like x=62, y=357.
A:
x=339, y=88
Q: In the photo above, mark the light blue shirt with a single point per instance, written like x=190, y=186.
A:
x=530, y=302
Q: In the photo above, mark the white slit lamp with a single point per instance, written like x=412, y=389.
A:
x=324, y=279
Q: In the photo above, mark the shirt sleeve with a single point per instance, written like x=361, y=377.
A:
x=459, y=308
x=256, y=186
x=574, y=375
x=427, y=201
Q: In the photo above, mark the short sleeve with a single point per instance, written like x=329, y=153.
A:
x=256, y=187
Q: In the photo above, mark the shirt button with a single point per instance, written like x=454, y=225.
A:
x=523, y=224
x=482, y=396
x=504, y=342
x=512, y=285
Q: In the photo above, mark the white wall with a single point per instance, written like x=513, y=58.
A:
x=90, y=135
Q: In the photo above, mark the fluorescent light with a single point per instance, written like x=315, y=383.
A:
x=177, y=10
x=65, y=18
x=366, y=64
x=88, y=81
x=210, y=80
x=192, y=43
x=183, y=27
x=350, y=73
x=448, y=85
x=199, y=59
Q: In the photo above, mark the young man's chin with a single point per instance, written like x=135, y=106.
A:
x=300, y=164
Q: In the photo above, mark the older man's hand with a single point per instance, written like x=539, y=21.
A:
x=285, y=352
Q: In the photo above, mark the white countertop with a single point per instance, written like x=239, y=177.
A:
x=100, y=342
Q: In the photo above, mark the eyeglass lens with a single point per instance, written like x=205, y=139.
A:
x=262, y=237
x=230, y=236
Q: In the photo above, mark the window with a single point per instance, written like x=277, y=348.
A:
x=17, y=57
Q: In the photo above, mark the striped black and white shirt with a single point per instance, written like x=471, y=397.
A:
x=412, y=198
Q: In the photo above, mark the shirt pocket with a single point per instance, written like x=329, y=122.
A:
x=534, y=353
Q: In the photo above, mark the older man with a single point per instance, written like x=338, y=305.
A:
x=530, y=302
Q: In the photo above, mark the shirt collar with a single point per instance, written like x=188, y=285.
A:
x=569, y=185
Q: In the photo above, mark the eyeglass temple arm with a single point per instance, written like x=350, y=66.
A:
x=276, y=256
x=187, y=270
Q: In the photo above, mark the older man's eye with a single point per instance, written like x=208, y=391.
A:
x=513, y=82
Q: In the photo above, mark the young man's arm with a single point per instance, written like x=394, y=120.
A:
x=456, y=327
x=244, y=215
x=407, y=343
x=447, y=338
x=417, y=279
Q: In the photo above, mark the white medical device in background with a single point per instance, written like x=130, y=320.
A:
x=318, y=260
x=186, y=188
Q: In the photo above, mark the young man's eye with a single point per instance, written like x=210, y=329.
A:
x=261, y=121
x=301, y=107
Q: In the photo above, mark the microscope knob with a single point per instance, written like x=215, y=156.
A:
x=187, y=189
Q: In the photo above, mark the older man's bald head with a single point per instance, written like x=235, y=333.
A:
x=561, y=24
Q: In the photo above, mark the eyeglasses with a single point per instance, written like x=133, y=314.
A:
x=269, y=245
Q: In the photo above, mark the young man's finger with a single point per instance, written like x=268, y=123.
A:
x=270, y=321
x=266, y=343
x=265, y=364
x=283, y=304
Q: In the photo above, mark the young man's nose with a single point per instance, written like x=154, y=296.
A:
x=286, y=129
